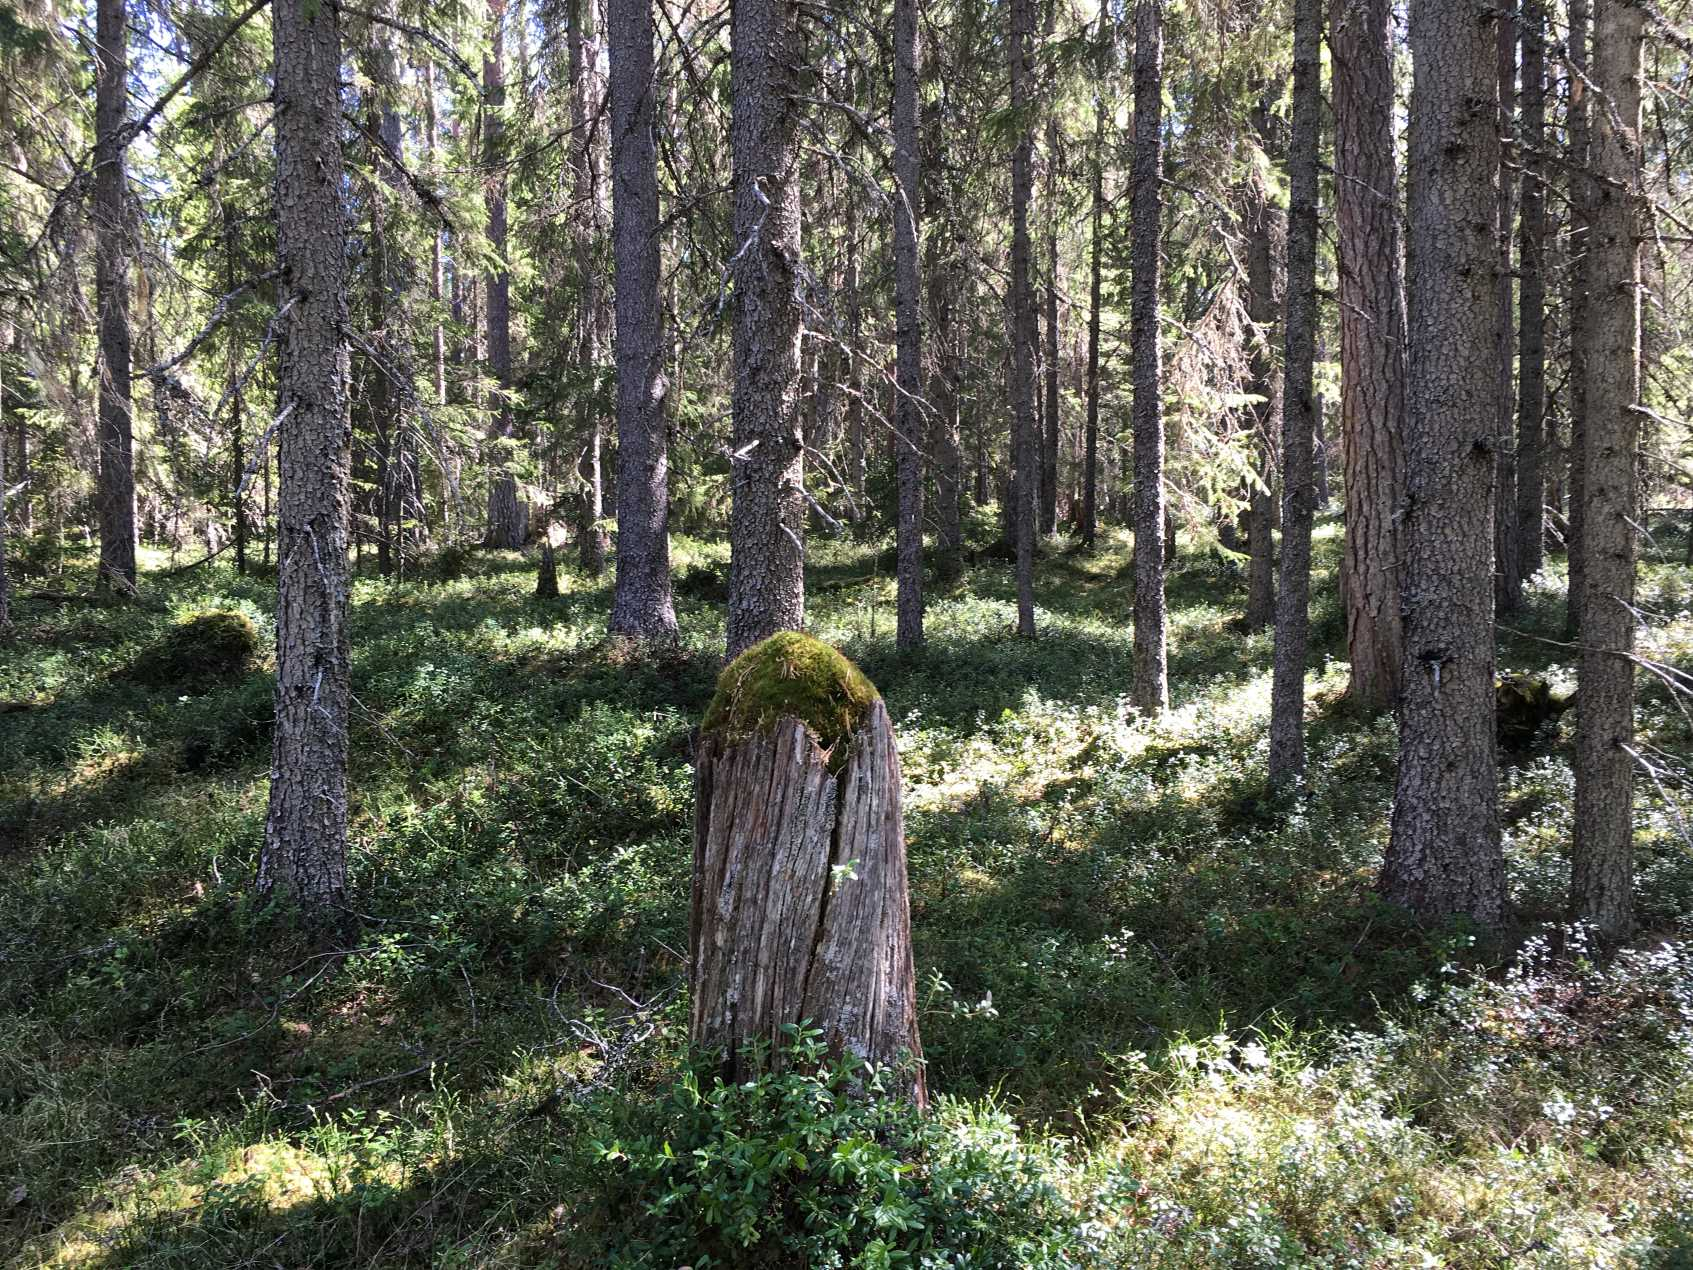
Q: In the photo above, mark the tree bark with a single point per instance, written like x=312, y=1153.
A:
x=1151, y=686
x=908, y=413
x=585, y=202
x=5, y=578
x=767, y=518
x=1601, y=887
x=1507, y=564
x=507, y=522
x=116, y=478
x=641, y=607
x=1580, y=286
x=1299, y=498
x=1261, y=312
x=1049, y=361
x=1096, y=226
x=1372, y=346
x=944, y=432
x=1025, y=480
x=801, y=910
x=1531, y=289
x=1444, y=855
x=305, y=849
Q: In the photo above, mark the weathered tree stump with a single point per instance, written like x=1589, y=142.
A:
x=801, y=912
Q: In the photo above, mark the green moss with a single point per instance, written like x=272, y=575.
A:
x=790, y=675
x=199, y=651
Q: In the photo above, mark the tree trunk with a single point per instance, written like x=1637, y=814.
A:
x=5, y=579
x=944, y=434
x=1372, y=346
x=507, y=521
x=546, y=572
x=1096, y=227
x=1507, y=564
x=585, y=201
x=858, y=449
x=1151, y=686
x=1580, y=286
x=767, y=517
x=1261, y=312
x=1601, y=887
x=1293, y=615
x=641, y=607
x=908, y=413
x=116, y=492
x=1444, y=854
x=1049, y=362
x=1531, y=322
x=305, y=849
x=1025, y=447
x=800, y=904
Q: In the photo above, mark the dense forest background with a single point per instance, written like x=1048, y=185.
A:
x=1246, y=446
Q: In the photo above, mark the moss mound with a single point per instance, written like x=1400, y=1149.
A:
x=200, y=651
x=1525, y=704
x=790, y=675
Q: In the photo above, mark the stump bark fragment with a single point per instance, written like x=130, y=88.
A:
x=801, y=911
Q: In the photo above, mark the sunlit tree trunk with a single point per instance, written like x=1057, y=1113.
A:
x=1601, y=888
x=767, y=515
x=585, y=202
x=908, y=413
x=1151, y=684
x=1531, y=322
x=1444, y=855
x=1299, y=495
x=115, y=495
x=1581, y=195
x=305, y=848
x=507, y=522
x=1025, y=486
x=1096, y=230
x=1372, y=345
x=1261, y=308
x=1507, y=563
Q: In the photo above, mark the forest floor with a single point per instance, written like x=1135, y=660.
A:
x=1172, y=1024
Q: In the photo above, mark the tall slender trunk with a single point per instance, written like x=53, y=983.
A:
x=585, y=200
x=232, y=373
x=1049, y=362
x=943, y=400
x=1151, y=686
x=305, y=849
x=1507, y=563
x=767, y=516
x=1531, y=288
x=642, y=606
x=1096, y=227
x=1299, y=498
x=1261, y=311
x=5, y=578
x=858, y=449
x=1372, y=346
x=437, y=274
x=1444, y=854
x=908, y=413
x=116, y=478
x=1025, y=445
x=507, y=525
x=1601, y=885
x=1580, y=286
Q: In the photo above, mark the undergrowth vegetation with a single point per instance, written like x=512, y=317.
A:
x=1169, y=1021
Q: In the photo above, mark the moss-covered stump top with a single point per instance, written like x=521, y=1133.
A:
x=790, y=675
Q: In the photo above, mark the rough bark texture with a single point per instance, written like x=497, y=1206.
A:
x=1261, y=308
x=1507, y=564
x=1601, y=886
x=800, y=903
x=641, y=607
x=1581, y=200
x=1372, y=345
x=1299, y=495
x=1049, y=359
x=1444, y=855
x=1151, y=686
x=5, y=579
x=115, y=495
x=1531, y=300
x=305, y=848
x=507, y=521
x=944, y=431
x=766, y=576
x=1025, y=448
x=1096, y=226
x=585, y=213
x=908, y=317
